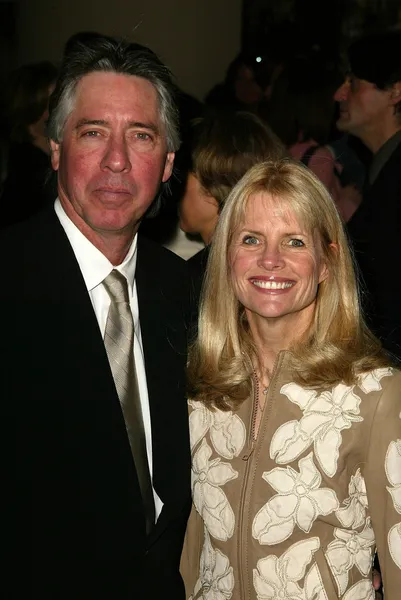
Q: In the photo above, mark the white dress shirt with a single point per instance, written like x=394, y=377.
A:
x=95, y=267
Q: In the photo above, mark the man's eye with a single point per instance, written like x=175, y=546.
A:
x=353, y=83
x=141, y=135
x=90, y=134
x=296, y=243
x=250, y=240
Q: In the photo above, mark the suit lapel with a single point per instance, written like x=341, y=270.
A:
x=164, y=342
x=81, y=373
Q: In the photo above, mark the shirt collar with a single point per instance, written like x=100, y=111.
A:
x=93, y=264
x=382, y=156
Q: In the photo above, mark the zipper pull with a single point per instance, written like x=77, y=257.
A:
x=247, y=455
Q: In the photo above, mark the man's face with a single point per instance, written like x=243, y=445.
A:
x=363, y=107
x=113, y=155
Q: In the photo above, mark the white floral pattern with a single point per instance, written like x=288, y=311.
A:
x=325, y=415
x=227, y=431
x=363, y=590
x=216, y=577
x=393, y=472
x=350, y=549
x=209, y=499
x=370, y=382
x=353, y=514
x=299, y=501
x=277, y=578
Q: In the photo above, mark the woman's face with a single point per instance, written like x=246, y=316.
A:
x=247, y=90
x=198, y=211
x=38, y=129
x=276, y=265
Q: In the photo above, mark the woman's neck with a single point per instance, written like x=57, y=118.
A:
x=41, y=143
x=273, y=335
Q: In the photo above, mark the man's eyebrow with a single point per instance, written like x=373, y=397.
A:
x=83, y=122
x=150, y=126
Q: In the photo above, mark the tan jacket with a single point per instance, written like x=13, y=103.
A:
x=298, y=513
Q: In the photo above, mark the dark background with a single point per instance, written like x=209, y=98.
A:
x=268, y=26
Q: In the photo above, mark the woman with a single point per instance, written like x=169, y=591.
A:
x=295, y=412
x=222, y=149
x=244, y=85
x=28, y=166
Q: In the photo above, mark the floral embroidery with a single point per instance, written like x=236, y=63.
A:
x=363, y=590
x=227, y=431
x=299, y=501
x=216, y=578
x=393, y=472
x=276, y=578
x=350, y=549
x=210, y=501
x=394, y=543
x=370, y=382
x=353, y=514
x=324, y=417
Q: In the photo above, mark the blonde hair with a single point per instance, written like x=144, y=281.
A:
x=337, y=347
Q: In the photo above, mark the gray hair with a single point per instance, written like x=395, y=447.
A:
x=102, y=53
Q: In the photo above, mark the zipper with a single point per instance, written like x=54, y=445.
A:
x=247, y=456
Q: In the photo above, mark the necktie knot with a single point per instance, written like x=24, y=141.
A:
x=117, y=287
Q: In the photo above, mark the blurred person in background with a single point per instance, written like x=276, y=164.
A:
x=27, y=187
x=302, y=113
x=245, y=86
x=370, y=109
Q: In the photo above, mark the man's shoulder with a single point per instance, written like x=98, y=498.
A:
x=152, y=252
x=391, y=171
x=33, y=249
x=33, y=230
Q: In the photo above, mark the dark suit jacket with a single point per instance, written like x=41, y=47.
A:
x=375, y=232
x=72, y=521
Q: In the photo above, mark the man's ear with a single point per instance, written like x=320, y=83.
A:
x=168, y=167
x=395, y=93
x=55, y=154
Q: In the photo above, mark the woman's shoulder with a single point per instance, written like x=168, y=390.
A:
x=381, y=389
x=379, y=379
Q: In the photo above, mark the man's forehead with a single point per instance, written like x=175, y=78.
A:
x=116, y=94
x=111, y=79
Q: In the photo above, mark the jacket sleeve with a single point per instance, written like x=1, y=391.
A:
x=383, y=485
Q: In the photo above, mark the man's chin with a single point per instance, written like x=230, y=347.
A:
x=343, y=125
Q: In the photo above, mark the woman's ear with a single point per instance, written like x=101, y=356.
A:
x=324, y=270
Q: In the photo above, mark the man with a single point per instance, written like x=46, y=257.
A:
x=370, y=108
x=93, y=343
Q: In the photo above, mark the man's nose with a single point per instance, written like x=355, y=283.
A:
x=116, y=157
x=342, y=92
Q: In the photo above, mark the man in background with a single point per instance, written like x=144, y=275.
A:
x=370, y=109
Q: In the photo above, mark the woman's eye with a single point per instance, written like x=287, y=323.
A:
x=250, y=240
x=296, y=243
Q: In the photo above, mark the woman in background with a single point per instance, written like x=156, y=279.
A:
x=26, y=189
